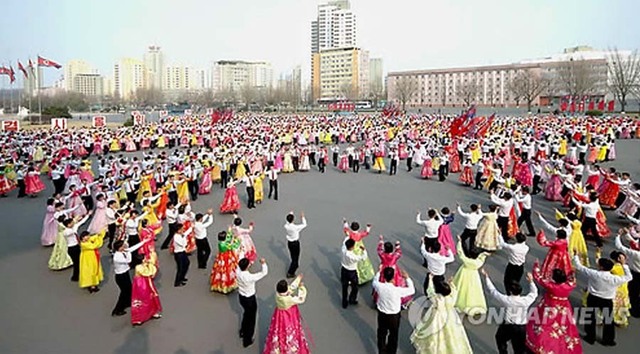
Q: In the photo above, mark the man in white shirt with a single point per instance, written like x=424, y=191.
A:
x=247, y=295
x=517, y=256
x=517, y=314
x=251, y=193
x=180, y=256
x=472, y=219
x=435, y=262
x=172, y=220
x=273, y=182
x=602, y=287
x=505, y=204
x=431, y=226
x=389, y=307
x=202, y=243
x=590, y=211
x=349, y=273
x=293, y=241
x=121, y=260
x=131, y=230
x=524, y=198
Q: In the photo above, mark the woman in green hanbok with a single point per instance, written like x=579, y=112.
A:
x=440, y=330
x=470, y=299
x=60, y=259
x=365, y=268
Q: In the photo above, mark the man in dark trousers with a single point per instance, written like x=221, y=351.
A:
x=293, y=241
x=389, y=307
x=349, y=272
x=273, y=182
x=247, y=295
x=22, y=187
x=251, y=194
x=524, y=198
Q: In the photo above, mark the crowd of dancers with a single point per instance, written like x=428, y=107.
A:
x=131, y=185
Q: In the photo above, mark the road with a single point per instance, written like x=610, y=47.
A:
x=43, y=312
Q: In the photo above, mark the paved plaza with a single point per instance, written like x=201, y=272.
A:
x=43, y=312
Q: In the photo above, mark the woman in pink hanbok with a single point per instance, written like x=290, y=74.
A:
x=551, y=327
x=33, y=184
x=206, y=183
x=286, y=333
x=256, y=165
x=389, y=256
x=247, y=247
x=86, y=172
x=554, y=187
x=75, y=202
x=427, y=170
x=99, y=221
x=97, y=147
x=145, y=301
x=278, y=164
x=130, y=146
x=231, y=202
x=343, y=164
x=445, y=238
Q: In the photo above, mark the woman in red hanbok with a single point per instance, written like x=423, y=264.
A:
x=6, y=185
x=454, y=160
x=558, y=255
x=593, y=176
x=343, y=165
x=554, y=187
x=231, y=202
x=389, y=256
x=286, y=333
x=609, y=189
x=145, y=301
x=466, y=176
x=552, y=327
x=33, y=183
x=223, y=273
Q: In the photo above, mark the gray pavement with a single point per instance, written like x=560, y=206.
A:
x=43, y=312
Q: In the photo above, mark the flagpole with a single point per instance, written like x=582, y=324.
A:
x=38, y=86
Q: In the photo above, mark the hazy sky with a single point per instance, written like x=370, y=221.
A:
x=407, y=34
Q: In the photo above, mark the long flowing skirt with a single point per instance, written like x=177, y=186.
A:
x=145, y=301
x=608, y=194
x=451, y=338
x=33, y=184
x=223, y=273
x=99, y=221
x=552, y=328
x=304, y=165
x=378, y=164
x=49, y=230
x=553, y=189
x=343, y=165
x=365, y=268
x=466, y=176
x=286, y=334
x=488, y=235
x=81, y=210
x=593, y=180
x=288, y=164
x=59, y=256
x=248, y=248
x=205, y=185
x=621, y=306
x=427, y=169
x=577, y=242
x=559, y=259
x=470, y=298
x=445, y=238
x=231, y=202
x=216, y=174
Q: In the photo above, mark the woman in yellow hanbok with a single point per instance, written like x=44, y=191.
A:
x=258, y=188
x=161, y=143
x=90, y=267
x=576, y=239
x=562, y=151
x=145, y=186
x=115, y=145
x=183, y=191
x=325, y=137
x=241, y=171
x=38, y=154
x=621, y=303
x=476, y=155
x=602, y=152
x=216, y=172
x=149, y=207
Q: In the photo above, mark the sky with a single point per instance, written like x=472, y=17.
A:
x=406, y=34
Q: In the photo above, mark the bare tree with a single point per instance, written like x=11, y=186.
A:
x=227, y=96
x=148, y=97
x=624, y=75
x=576, y=78
x=468, y=91
x=376, y=93
x=348, y=91
x=404, y=89
x=528, y=85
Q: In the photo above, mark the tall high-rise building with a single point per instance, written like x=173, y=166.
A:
x=90, y=85
x=334, y=32
x=236, y=74
x=128, y=75
x=154, y=65
x=73, y=68
x=376, y=78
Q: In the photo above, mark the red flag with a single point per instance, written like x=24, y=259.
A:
x=12, y=74
x=482, y=131
x=563, y=105
x=4, y=71
x=611, y=106
x=21, y=68
x=48, y=63
x=592, y=105
x=601, y=105
x=572, y=107
x=30, y=64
